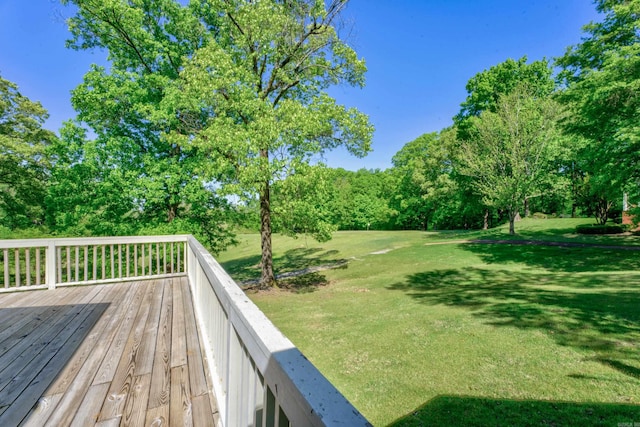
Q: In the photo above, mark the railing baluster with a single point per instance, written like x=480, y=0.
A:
x=120, y=261
x=164, y=258
x=157, y=258
x=113, y=271
x=95, y=261
x=150, y=259
x=38, y=267
x=59, y=262
x=27, y=266
x=17, y=267
x=104, y=261
x=135, y=259
x=6, y=268
x=128, y=264
x=173, y=270
x=142, y=263
x=179, y=268
x=77, y=263
x=86, y=263
x=68, y=263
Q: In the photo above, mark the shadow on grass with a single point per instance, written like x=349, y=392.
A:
x=294, y=260
x=474, y=411
x=303, y=284
x=594, y=312
x=557, y=258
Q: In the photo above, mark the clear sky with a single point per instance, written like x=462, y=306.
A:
x=420, y=55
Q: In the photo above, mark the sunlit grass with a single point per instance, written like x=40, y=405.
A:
x=465, y=334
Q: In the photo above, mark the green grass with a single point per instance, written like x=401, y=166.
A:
x=465, y=334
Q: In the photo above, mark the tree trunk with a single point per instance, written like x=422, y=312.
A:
x=268, y=279
x=512, y=221
x=172, y=213
x=603, y=207
x=574, y=206
x=485, y=224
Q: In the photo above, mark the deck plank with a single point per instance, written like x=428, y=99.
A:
x=134, y=413
x=124, y=354
x=122, y=381
x=161, y=373
x=111, y=360
x=180, y=410
x=197, y=375
x=89, y=409
x=144, y=359
x=178, y=341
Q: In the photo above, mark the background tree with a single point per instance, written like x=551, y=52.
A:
x=85, y=198
x=24, y=162
x=507, y=150
x=602, y=78
x=423, y=168
x=360, y=200
x=147, y=44
x=302, y=203
x=484, y=91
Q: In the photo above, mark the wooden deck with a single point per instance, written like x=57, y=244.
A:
x=121, y=354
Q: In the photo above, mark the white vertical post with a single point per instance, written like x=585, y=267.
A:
x=50, y=275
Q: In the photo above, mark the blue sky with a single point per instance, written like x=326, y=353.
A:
x=420, y=55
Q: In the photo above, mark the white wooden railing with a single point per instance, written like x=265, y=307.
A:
x=29, y=264
x=260, y=378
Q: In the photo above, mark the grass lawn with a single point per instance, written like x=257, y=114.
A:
x=415, y=333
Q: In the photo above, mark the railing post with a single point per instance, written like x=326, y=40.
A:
x=51, y=265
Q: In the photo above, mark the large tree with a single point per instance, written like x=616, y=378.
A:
x=507, y=150
x=601, y=76
x=484, y=90
x=23, y=158
x=236, y=86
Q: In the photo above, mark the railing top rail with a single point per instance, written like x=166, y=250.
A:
x=81, y=241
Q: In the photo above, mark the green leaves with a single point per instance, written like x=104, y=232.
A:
x=24, y=162
x=507, y=153
x=226, y=94
x=602, y=75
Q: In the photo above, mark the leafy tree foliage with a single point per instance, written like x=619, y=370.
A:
x=302, y=203
x=24, y=162
x=425, y=185
x=360, y=200
x=230, y=92
x=507, y=150
x=602, y=79
x=485, y=88
x=84, y=197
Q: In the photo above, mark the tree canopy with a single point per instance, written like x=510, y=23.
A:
x=226, y=92
x=601, y=76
